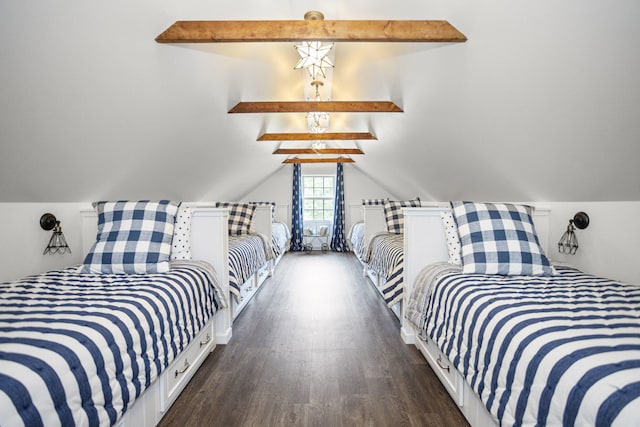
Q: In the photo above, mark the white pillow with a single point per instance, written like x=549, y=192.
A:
x=181, y=244
x=451, y=233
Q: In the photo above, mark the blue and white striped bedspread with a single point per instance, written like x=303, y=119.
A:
x=356, y=237
x=385, y=256
x=247, y=254
x=280, y=236
x=78, y=349
x=554, y=350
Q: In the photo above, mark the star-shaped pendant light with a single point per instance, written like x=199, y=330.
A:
x=314, y=57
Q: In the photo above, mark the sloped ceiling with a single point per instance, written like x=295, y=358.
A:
x=541, y=103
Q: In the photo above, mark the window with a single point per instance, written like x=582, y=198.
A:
x=318, y=193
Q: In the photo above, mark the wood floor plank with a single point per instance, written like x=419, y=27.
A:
x=316, y=347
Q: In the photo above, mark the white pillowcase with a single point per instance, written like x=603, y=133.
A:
x=453, y=240
x=181, y=244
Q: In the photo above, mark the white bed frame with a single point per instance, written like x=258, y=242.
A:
x=282, y=215
x=208, y=240
x=219, y=238
x=375, y=223
x=425, y=244
x=252, y=285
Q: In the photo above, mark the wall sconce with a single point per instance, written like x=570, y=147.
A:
x=568, y=243
x=57, y=243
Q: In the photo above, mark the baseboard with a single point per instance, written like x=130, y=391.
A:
x=408, y=336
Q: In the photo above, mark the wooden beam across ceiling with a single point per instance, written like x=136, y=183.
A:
x=316, y=106
x=311, y=30
x=324, y=136
x=318, y=151
x=320, y=160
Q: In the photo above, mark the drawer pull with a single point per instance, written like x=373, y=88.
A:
x=205, y=341
x=184, y=368
x=442, y=365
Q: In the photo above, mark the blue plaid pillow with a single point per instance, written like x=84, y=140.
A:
x=240, y=217
x=273, y=210
x=133, y=237
x=393, y=213
x=373, y=202
x=499, y=238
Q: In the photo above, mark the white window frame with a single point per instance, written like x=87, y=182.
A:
x=315, y=224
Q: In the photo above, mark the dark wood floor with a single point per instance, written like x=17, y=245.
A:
x=315, y=347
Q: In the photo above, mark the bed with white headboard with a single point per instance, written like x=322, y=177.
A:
x=116, y=340
x=380, y=252
x=548, y=347
x=210, y=242
x=280, y=231
x=246, y=256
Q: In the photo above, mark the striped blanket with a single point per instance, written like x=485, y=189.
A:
x=78, y=349
x=247, y=254
x=356, y=237
x=385, y=255
x=280, y=236
x=544, y=350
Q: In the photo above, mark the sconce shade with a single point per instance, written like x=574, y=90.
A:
x=57, y=243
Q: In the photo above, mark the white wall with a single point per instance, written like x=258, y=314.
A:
x=357, y=186
x=608, y=246
x=23, y=241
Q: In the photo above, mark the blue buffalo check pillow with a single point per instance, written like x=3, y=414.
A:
x=394, y=216
x=133, y=237
x=499, y=238
x=240, y=217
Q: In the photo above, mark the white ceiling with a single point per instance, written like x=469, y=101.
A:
x=541, y=103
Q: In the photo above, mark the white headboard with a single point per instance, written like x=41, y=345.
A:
x=283, y=213
x=355, y=213
x=374, y=222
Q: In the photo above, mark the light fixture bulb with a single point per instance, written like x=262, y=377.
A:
x=317, y=122
x=318, y=145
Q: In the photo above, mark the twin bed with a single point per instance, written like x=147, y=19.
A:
x=103, y=348
x=92, y=346
x=550, y=346
x=254, y=254
x=378, y=243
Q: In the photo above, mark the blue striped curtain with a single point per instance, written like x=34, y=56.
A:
x=338, y=241
x=297, y=243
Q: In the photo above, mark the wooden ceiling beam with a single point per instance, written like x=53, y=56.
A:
x=415, y=31
x=318, y=151
x=324, y=136
x=320, y=160
x=316, y=106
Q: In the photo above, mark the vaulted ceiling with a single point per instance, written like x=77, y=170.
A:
x=541, y=103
